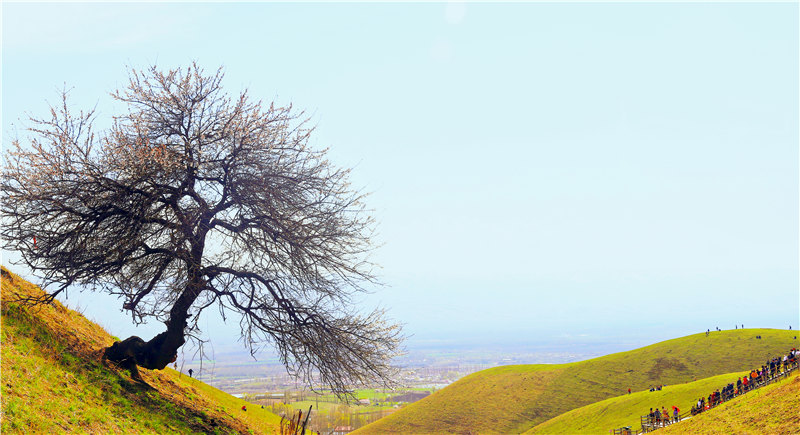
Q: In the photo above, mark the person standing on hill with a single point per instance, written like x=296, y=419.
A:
x=190, y=372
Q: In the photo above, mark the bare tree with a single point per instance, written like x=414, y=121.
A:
x=193, y=199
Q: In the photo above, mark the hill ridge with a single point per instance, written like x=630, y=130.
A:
x=516, y=398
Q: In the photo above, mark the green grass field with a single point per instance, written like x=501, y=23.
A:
x=325, y=407
x=514, y=399
x=329, y=412
x=53, y=381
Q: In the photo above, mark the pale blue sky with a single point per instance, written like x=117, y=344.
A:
x=537, y=169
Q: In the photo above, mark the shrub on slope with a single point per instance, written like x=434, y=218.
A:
x=53, y=381
x=513, y=399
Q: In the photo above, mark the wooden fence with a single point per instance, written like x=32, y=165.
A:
x=294, y=425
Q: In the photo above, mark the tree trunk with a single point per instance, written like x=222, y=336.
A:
x=154, y=354
x=163, y=348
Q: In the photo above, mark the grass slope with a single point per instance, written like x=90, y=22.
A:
x=774, y=409
x=513, y=399
x=620, y=411
x=53, y=381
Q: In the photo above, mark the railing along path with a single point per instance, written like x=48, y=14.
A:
x=649, y=424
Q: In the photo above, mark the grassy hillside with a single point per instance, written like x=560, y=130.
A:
x=53, y=381
x=513, y=399
x=774, y=409
x=625, y=410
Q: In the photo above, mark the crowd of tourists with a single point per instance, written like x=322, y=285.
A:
x=661, y=418
x=756, y=378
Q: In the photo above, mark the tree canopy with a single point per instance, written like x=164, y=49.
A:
x=194, y=199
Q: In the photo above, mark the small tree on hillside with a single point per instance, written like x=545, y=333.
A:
x=192, y=200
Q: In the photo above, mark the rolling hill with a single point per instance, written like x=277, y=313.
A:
x=625, y=410
x=769, y=410
x=514, y=399
x=53, y=381
x=775, y=410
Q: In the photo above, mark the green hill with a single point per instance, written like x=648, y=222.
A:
x=53, y=381
x=769, y=410
x=514, y=399
x=620, y=411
